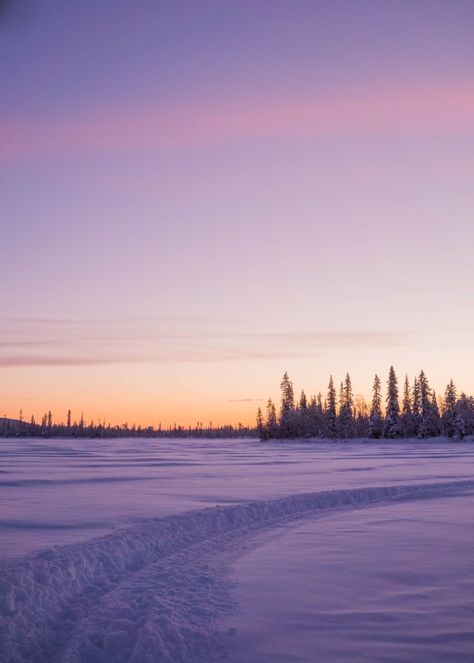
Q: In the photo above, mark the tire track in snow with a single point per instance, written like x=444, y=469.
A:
x=155, y=591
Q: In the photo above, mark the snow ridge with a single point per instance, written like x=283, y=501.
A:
x=156, y=591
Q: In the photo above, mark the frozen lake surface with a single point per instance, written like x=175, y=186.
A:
x=385, y=583
x=315, y=552
x=61, y=491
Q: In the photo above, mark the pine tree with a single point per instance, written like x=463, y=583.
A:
x=392, y=416
x=287, y=407
x=315, y=417
x=407, y=421
x=330, y=413
x=303, y=401
x=346, y=414
x=375, y=418
x=272, y=423
x=435, y=415
x=287, y=395
x=319, y=402
x=428, y=426
x=464, y=416
x=416, y=406
x=449, y=410
x=261, y=430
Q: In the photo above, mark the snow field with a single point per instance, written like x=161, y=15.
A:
x=156, y=591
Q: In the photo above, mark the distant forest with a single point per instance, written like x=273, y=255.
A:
x=420, y=413
x=78, y=429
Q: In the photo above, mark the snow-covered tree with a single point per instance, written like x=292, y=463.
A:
x=346, y=414
x=375, y=418
x=435, y=415
x=287, y=394
x=392, y=416
x=464, y=422
x=303, y=401
x=449, y=410
x=428, y=423
x=330, y=413
x=416, y=406
x=272, y=423
x=287, y=406
x=316, y=416
x=407, y=419
x=261, y=429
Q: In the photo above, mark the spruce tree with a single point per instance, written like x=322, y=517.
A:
x=330, y=413
x=346, y=414
x=315, y=412
x=303, y=401
x=272, y=423
x=375, y=418
x=407, y=422
x=261, y=430
x=392, y=416
x=416, y=406
x=428, y=426
x=287, y=394
x=287, y=407
x=449, y=410
x=435, y=415
x=464, y=416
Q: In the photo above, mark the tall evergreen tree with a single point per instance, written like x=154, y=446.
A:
x=346, y=415
x=407, y=421
x=428, y=426
x=261, y=429
x=287, y=394
x=375, y=418
x=315, y=416
x=392, y=416
x=449, y=410
x=330, y=413
x=464, y=416
x=435, y=415
x=272, y=423
x=287, y=406
x=303, y=401
x=416, y=406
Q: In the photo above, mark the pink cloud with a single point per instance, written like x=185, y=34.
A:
x=437, y=108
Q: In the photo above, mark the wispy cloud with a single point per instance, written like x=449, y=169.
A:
x=56, y=342
x=440, y=107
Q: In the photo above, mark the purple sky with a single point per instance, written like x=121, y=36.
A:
x=197, y=196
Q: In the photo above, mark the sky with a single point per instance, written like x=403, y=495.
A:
x=199, y=196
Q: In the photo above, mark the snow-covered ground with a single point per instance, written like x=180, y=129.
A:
x=202, y=550
x=394, y=582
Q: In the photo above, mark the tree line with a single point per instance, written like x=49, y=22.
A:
x=416, y=413
x=48, y=428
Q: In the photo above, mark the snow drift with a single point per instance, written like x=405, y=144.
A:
x=153, y=592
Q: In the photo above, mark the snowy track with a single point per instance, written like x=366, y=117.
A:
x=154, y=592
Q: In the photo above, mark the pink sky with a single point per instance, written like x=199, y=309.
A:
x=423, y=109
x=224, y=191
